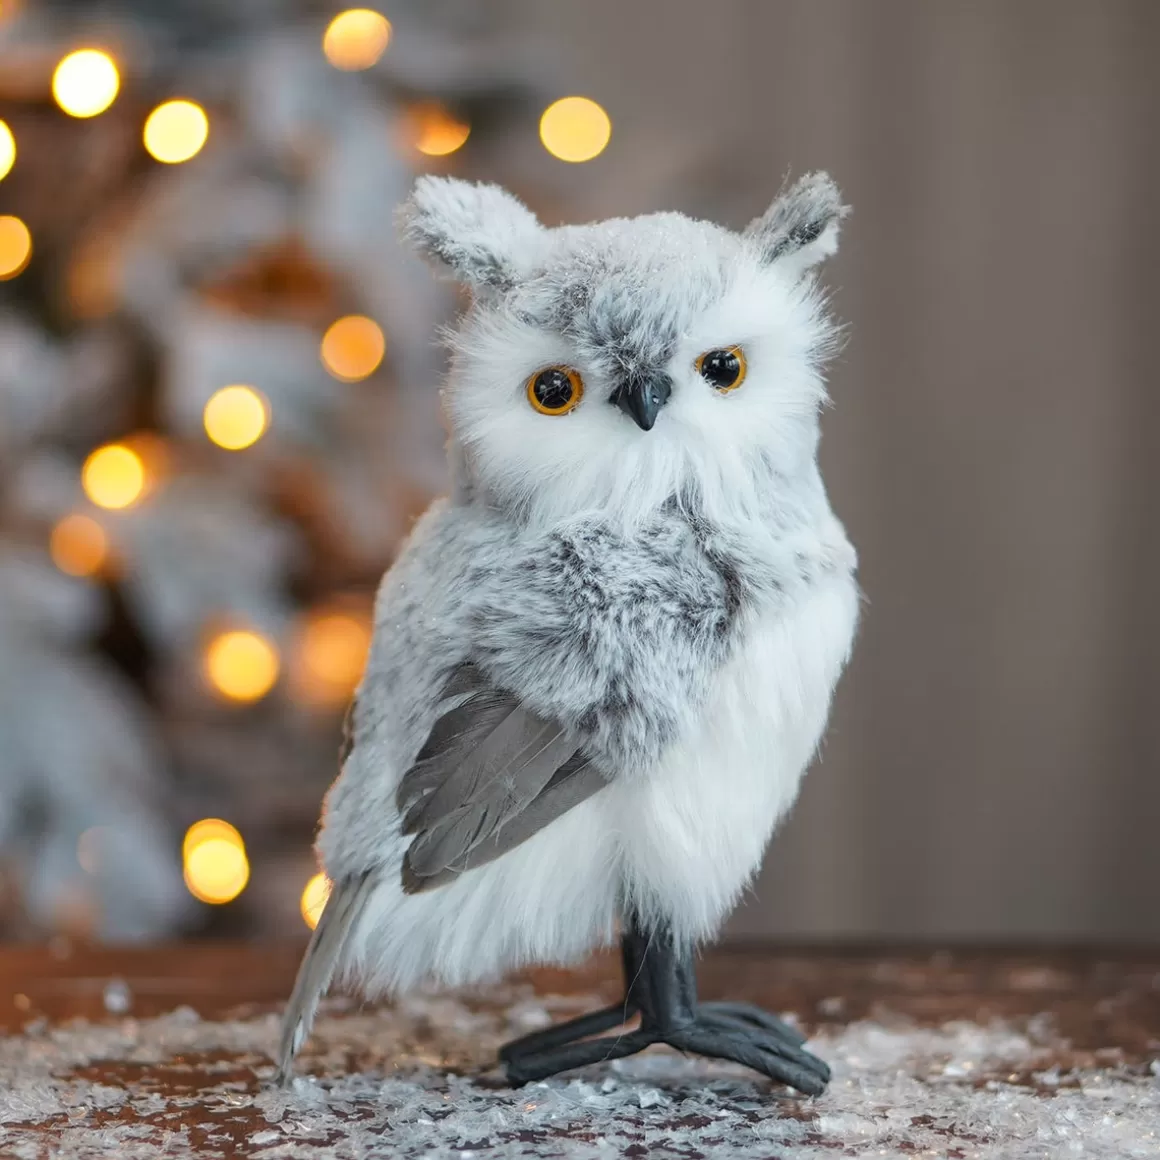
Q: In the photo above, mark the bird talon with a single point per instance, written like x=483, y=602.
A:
x=750, y=1015
x=759, y=1050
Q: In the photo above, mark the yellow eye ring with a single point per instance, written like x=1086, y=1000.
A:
x=555, y=390
x=723, y=368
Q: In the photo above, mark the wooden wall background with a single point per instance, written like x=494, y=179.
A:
x=994, y=764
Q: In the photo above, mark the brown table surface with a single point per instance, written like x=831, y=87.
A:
x=1104, y=1005
x=1100, y=998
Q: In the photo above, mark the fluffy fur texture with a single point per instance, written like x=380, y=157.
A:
x=480, y=231
x=800, y=228
x=680, y=600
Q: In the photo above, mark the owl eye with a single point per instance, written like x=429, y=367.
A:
x=723, y=369
x=555, y=390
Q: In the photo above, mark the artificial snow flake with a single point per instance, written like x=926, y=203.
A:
x=372, y=1094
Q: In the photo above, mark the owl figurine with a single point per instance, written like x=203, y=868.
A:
x=602, y=664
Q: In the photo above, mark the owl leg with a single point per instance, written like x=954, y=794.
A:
x=561, y=1033
x=580, y=1028
x=537, y=1065
x=667, y=996
x=660, y=984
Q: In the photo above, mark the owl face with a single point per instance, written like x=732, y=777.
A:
x=617, y=366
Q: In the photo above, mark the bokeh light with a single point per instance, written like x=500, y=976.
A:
x=241, y=665
x=330, y=655
x=353, y=347
x=215, y=862
x=314, y=897
x=356, y=38
x=175, y=131
x=85, y=82
x=15, y=246
x=435, y=131
x=575, y=129
x=207, y=828
x=7, y=150
x=236, y=417
x=78, y=545
x=113, y=476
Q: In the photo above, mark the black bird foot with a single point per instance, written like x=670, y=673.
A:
x=742, y=1042
x=753, y=1016
x=661, y=988
x=529, y=1066
x=561, y=1033
x=713, y=1034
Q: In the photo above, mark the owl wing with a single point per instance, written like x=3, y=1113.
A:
x=491, y=774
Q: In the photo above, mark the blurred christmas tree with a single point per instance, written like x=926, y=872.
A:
x=217, y=418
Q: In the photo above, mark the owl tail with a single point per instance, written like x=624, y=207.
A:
x=342, y=910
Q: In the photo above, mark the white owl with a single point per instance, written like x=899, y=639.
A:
x=602, y=664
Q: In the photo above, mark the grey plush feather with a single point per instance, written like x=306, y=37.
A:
x=518, y=755
x=575, y=781
x=503, y=774
x=455, y=735
x=490, y=774
x=318, y=965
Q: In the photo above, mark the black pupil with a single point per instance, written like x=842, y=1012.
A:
x=721, y=368
x=553, y=389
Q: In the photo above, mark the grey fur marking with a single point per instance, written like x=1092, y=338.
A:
x=347, y=742
x=798, y=216
x=617, y=640
x=609, y=289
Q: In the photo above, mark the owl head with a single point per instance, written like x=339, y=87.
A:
x=622, y=365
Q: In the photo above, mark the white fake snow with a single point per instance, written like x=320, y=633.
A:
x=898, y=1091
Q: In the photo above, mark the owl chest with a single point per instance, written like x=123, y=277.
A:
x=706, y=813
x=767, y=709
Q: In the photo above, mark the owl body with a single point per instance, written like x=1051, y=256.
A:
x=675, y=834
x=600, y=666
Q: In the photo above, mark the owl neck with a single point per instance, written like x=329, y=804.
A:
x=764, y=501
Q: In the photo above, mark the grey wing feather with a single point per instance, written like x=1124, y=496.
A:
x=497, y=780
x=342, y=910
x=574, y=782
x=451, y=742
x=452, y=836
x=491, y=774
x=513, y=762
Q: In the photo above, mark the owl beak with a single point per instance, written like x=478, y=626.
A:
x=642, y=398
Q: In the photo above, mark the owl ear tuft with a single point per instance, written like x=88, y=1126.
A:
x=800, y=228
x=482, y=233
